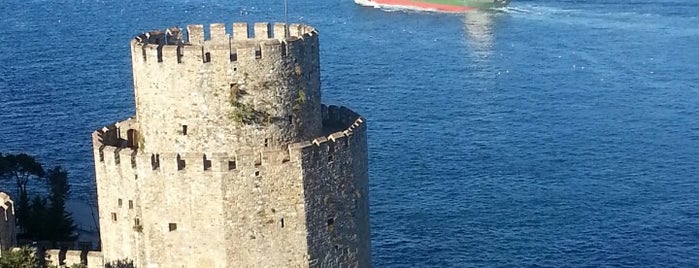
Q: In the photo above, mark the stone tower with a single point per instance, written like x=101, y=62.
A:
x=8, y=233
x=231, y=159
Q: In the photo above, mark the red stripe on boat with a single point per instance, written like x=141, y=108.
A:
x=424, y=5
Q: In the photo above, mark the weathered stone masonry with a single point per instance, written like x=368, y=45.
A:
x=231, y=160
x=8, y=234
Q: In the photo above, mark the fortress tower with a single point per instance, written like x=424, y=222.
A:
x=231, y=159
x=8, y=233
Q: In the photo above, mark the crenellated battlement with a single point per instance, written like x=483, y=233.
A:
x=66, y=258
x=238, y=42
x=115, y=146
x=7, y=206
x=218, y=32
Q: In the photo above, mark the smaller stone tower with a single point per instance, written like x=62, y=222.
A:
x=8, y=234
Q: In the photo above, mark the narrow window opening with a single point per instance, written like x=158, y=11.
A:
x=331, y=151
x=133, y=161
x=114, y=216
x=131, y=138
x=207, y=163
x=172, y=226
x=330, y=158
x=291, y=120
x=257, y=173
x=184, y=129
x=266, y=142
x=231, y=165
x=137, y=222
x=159, y=52
x=331, y=222
x=258, y=54
x=282, y=222
x=130, y=204
x=117, y=158
x=119, y=202
x=180, y=163
x=179, y=54
x=207, y=57
x=155, y=161
x=234, y=57
x=101, y=156
x=284, y=48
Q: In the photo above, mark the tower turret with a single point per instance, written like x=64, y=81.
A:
x=229, y=91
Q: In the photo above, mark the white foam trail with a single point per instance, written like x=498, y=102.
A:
x=367, y=3
x=391, y=8
x=511, y=10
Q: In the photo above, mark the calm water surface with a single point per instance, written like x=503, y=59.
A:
x=551, y=133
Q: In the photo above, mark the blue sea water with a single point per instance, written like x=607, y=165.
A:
x=547, y=134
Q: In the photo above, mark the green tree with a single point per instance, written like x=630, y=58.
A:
x=41, y=218
x=36, y=224
x=62, y=227
x=20, y=168
x=22, y=258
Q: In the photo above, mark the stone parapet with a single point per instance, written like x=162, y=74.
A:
x=112, y=147
x=67, y=258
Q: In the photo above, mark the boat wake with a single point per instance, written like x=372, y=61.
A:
x=367, y=3
x=393, y=8
x=581, y=15
x=511, y=10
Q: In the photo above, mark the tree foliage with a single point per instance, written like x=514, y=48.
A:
x=22, y=258
x=41, y=218
x=20, y=168
x=35, y=226
x=62, y=226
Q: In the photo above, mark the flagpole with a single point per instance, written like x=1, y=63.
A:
x=286, y=19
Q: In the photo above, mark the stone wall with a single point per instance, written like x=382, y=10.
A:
x=336, y=194
x=8, y=233
x=269, y=208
